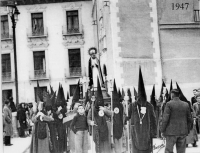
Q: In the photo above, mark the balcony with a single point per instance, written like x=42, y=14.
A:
x=42, y=32
x=196, y=15
x=39, y=75
x=6, y=36
x=73, y=72
x=7, y=77
x=72, y=31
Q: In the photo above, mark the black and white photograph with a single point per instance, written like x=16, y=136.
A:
x=100, y=76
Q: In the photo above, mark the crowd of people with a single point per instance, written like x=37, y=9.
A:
x=58, y=128
x=24, y=123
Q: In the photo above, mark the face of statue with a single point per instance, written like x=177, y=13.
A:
x=93, y=53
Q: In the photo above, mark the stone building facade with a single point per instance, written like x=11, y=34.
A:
x=161, y=36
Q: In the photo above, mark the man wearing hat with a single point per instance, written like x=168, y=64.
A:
x=176, y=123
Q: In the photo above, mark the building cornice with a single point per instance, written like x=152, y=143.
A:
x=33, y=2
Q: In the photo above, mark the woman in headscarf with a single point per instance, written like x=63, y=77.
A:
x=41, y=142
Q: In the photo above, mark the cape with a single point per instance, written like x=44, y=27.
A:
x=142, y=134
x=90, y=72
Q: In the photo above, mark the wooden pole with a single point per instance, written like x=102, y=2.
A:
x=92, y=108
x=112, y=138
x=126, y=98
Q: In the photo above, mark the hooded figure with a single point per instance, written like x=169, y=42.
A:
x=117, y=120
x=143, y=121
x=100, y=131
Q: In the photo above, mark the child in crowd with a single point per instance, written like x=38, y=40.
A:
x=80, y=127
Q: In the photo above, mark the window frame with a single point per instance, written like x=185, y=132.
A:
x=80, y=62
x=7, y=27
x=43, y=30
x=31, y=10
x=74, y=8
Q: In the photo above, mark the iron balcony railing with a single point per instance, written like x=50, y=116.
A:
x=6, y=35
x=196, y=15
x=40, y=32
x=7, y=76
x=68, y=31
x=38, y=75
x=75, y=71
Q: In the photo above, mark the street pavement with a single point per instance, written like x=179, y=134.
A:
x=22, y=145
x=19, y=145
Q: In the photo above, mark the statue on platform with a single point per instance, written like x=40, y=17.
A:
x=94, y=69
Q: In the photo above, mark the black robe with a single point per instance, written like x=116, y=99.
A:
x=142, y=134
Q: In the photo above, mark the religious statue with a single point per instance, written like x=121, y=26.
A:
x=94, y=69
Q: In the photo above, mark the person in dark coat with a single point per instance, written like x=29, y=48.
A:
x=176, y=123
x=21, y=117
x=194, y=98
x=8, y=123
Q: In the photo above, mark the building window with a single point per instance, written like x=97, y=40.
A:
x=6, y=67
x=74, y=62
x=4, y=27
x=37, y=24
x=72, y=22
x=72, y=89
x=39, y=64
x=43, y=91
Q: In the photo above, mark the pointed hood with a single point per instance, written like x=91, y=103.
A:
x=76, y=95
x=63, y=96
x=181, y=96
x=120, y=95
x=135, y=93
x=123, y=93
x=67, y=96
x=59, y=97
x=99, y=96
x=115, y=95
x=129, y=94
x=104, y=70
x=169, y=95
x=153, y=98
x=51, y=89
x=163, y=85
x=142, y=98
x=171, y=86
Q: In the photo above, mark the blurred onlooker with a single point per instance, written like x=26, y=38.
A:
x=197, y=111
x=192, y=137
x=8, y=123
x=12, y=105
x=194, y=98
x=21, y=117
x=31, y=112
